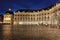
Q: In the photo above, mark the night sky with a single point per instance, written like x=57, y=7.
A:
x=25, y=4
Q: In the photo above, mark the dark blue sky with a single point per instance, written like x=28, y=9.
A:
x=25, y=4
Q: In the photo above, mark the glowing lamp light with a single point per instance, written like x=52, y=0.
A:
x=28, y=22
x=20, y=22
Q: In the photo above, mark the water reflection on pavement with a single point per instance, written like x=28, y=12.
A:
x=28, y=32
x=7, y=32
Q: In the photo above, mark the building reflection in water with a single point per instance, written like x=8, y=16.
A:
x=7, y=32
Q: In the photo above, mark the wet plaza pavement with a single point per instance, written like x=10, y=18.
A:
x=28, y=32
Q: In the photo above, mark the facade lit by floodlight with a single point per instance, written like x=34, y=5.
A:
x=37, y=17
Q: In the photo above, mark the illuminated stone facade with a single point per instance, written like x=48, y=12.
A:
x=40, y=17
x=8, y=17
x=50, y=16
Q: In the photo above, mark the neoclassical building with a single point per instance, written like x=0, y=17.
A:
x=8, y=17
x=50, y=16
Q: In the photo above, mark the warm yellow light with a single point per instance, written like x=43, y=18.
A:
x=15, y=22
x=7, y=18
x=20, y=22
x=28, y=22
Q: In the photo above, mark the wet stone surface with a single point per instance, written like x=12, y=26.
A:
x=28, y=32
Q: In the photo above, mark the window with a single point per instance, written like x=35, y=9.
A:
x=37, y=15
x=15, y=18
x=48, y=13
x=48, y=17
x=20, y=15
x=15, y=15
x=23, y=15
x=45, y=13
x=42, y=13
x=31, y=15
x=39, y=18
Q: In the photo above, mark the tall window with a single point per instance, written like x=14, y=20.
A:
x=48, y=17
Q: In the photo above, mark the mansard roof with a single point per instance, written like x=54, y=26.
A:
x=10, y=12
x=26, y=10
